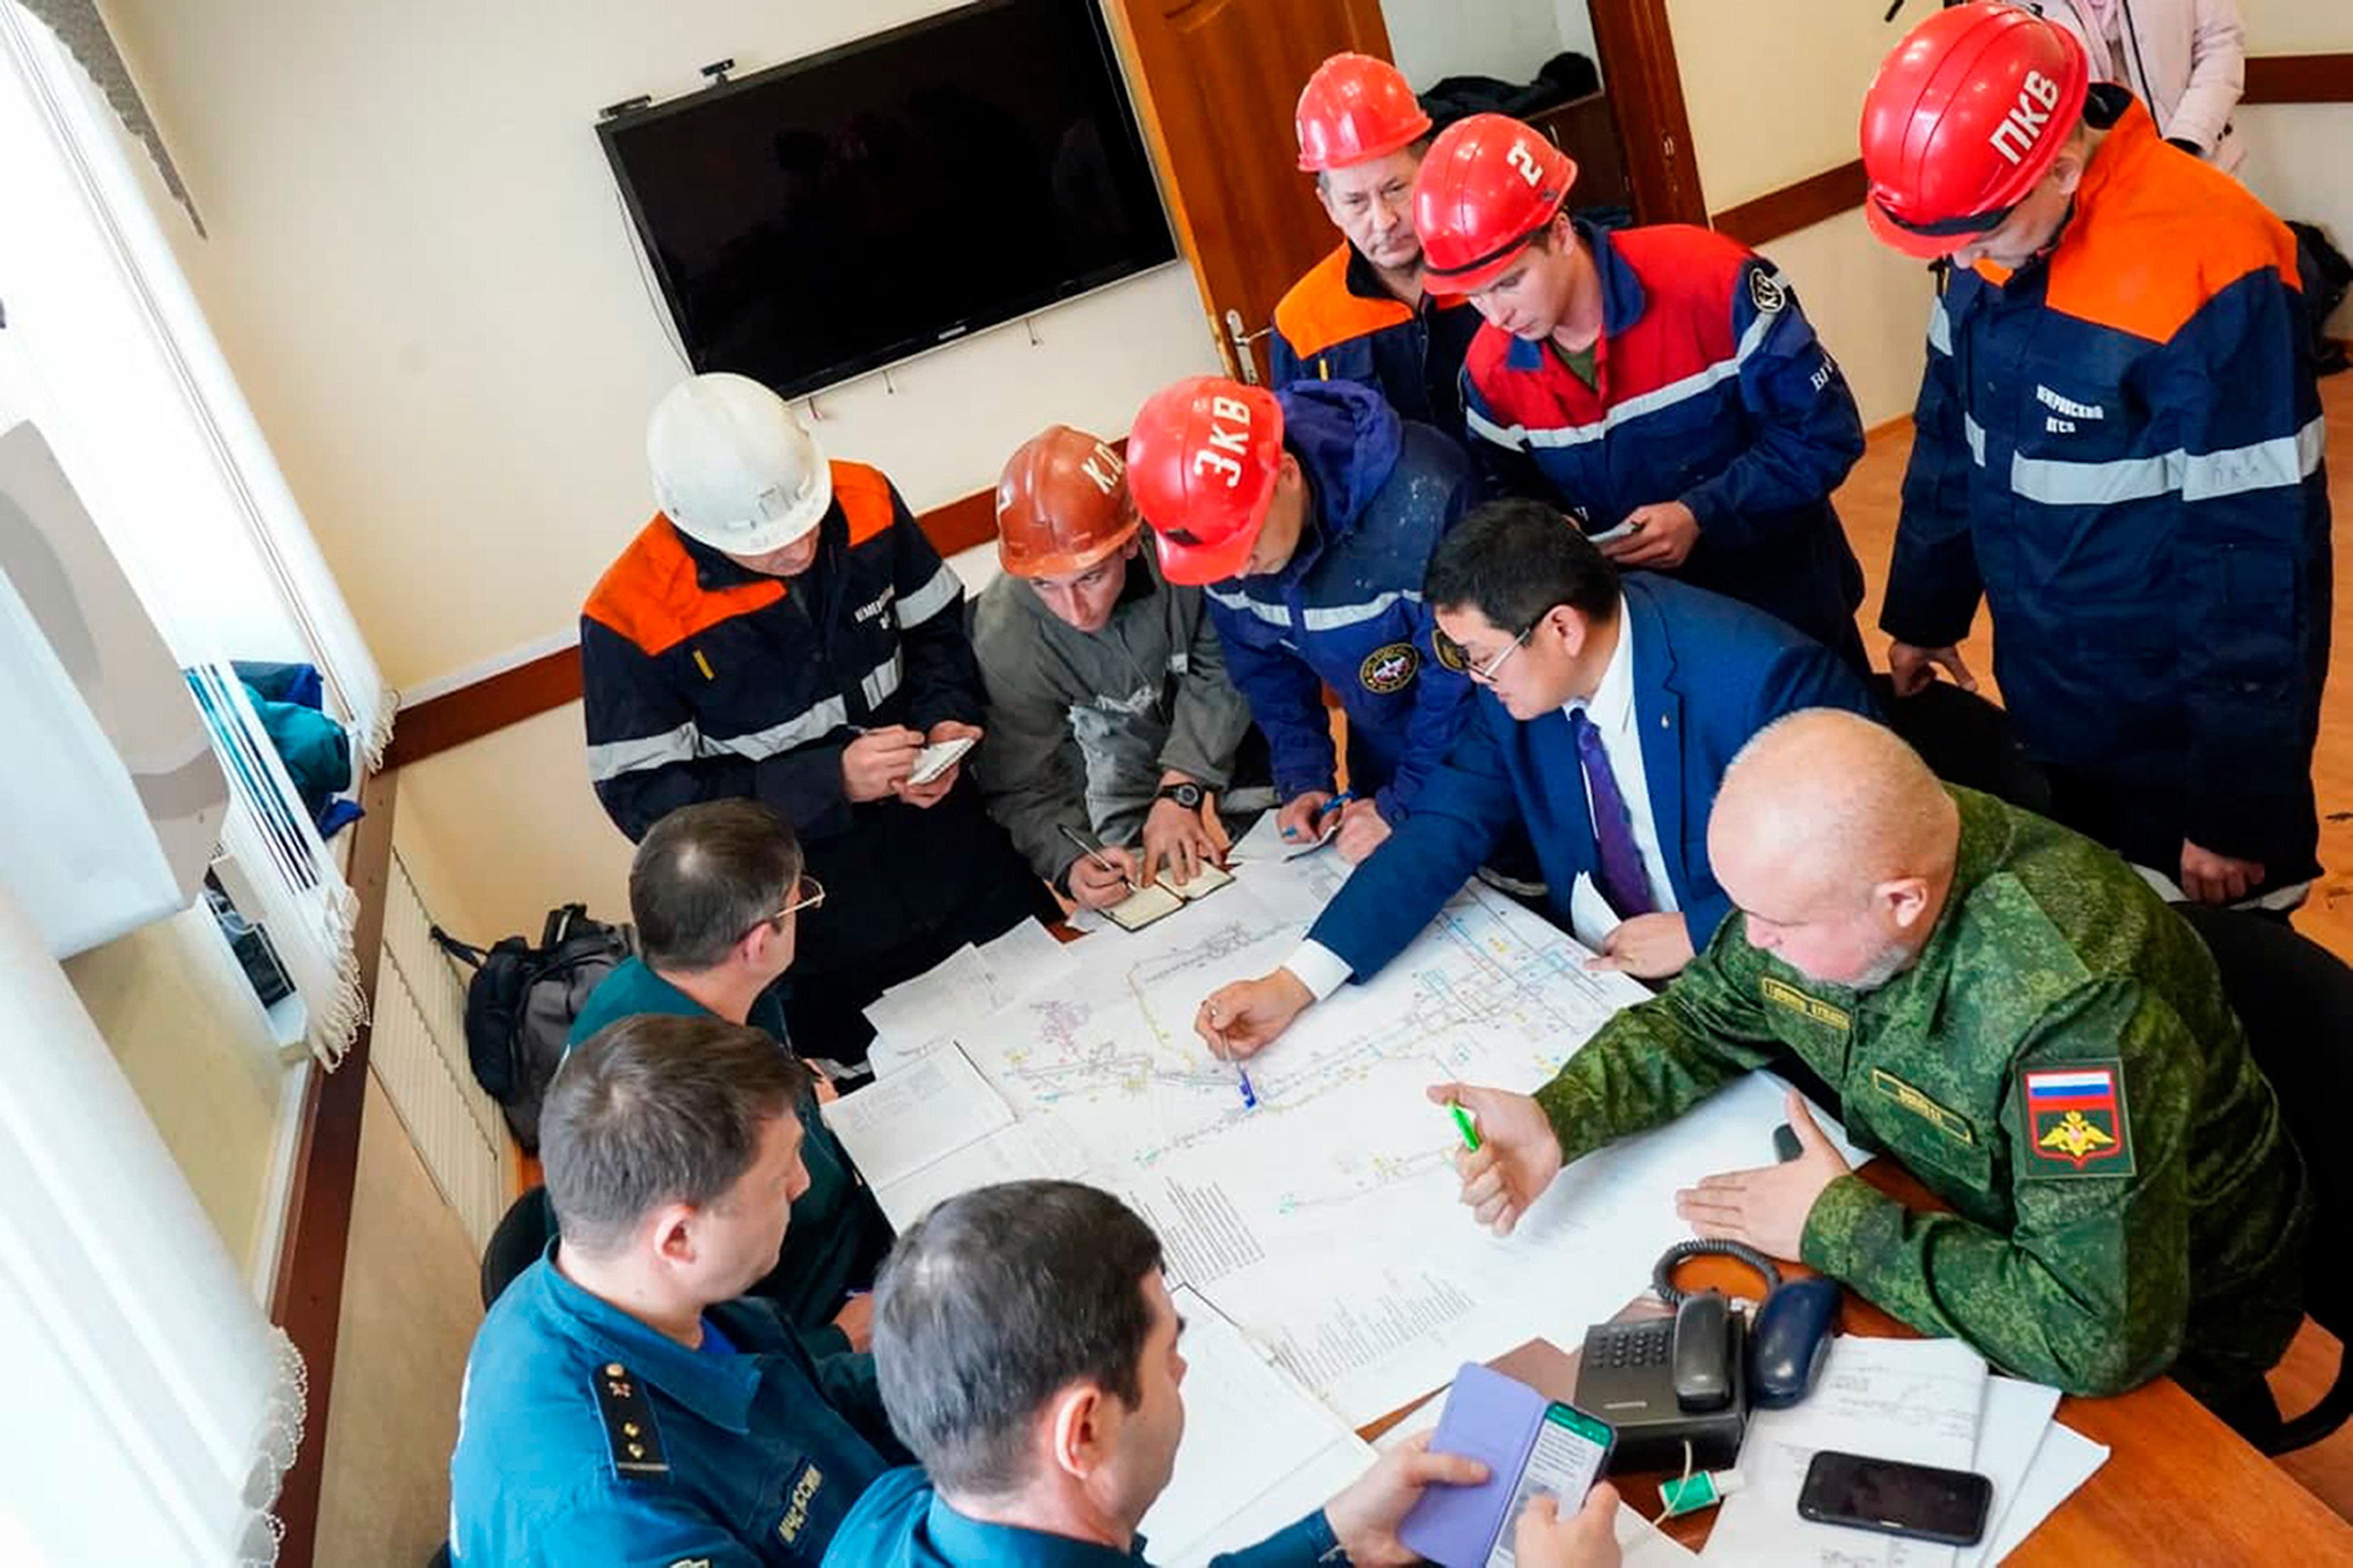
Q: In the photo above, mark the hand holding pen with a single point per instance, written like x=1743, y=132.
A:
x=1212, y=1017
x=1099, y=877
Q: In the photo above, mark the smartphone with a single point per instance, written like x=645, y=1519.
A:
x=933, y=761
x=1567, y=1458
x=1612, y=535
x=1918, y=1500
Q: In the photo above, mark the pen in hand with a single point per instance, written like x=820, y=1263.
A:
x=1087, y=850
x=1242, y=1074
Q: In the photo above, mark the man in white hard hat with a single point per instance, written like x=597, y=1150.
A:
x=782, y=629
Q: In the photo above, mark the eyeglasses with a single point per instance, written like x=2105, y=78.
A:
x=812, y=894
x=1484, y=674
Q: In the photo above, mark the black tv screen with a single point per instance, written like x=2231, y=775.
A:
x=840, y=212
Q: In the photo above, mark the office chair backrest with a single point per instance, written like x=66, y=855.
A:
x=522, y=1236
x=2294, y=998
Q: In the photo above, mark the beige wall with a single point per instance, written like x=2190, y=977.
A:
x=497, y=832
x=1773, y=93
x=175, y=1008
x=2300, y=155
x=420, y=272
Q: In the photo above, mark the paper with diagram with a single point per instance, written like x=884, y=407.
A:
x=1259, y=1452
x=1918, y=1401
x=1326, y=1220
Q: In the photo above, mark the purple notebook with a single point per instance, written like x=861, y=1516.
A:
x=1493, y=1419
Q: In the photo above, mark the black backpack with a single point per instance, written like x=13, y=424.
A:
x=2326, y=275
x=521, y=1003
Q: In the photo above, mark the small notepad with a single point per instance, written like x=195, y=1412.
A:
x=1166, y=896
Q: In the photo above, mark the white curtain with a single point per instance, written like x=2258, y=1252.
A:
x=154, y=1408
x=124, y=377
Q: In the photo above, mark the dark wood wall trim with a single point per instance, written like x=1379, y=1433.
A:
x=1646, y=87
x=2299, y=78
x=552, y=680
x=2271, y=79
x=1793, y=207
x=307, y=1299
x=478, y=708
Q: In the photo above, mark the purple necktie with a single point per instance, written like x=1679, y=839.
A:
x=1621, y=881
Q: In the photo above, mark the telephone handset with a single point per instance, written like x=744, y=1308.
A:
x=1693, y=1379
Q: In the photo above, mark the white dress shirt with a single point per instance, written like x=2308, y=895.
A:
x=1613, y=712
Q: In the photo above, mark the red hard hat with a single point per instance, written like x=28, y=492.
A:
x=1354, y=108
x=1062, y=505
x=1490, y=184
x=1961, y=121
x=1201, y=464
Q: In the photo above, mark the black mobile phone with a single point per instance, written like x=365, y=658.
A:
x=1917, y=1500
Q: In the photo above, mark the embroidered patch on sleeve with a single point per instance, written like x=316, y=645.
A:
x=2074, y=1121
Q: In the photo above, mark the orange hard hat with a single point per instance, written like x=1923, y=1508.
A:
x=1355, y=107
x=1062, y=505
x=1201, y=463
x=1490, y=185
x=1962, y=120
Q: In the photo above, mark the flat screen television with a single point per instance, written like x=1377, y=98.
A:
x=838, y=213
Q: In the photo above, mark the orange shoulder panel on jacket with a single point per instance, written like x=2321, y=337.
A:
x=1319, y=311
x=650, y=595
x=2167, y=233
x=864, y=496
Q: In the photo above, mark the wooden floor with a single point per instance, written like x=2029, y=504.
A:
x=1868, y=504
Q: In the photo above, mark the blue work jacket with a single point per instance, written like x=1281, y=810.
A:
x=1345, y=610
x=584, y=1435
x=903, y=1523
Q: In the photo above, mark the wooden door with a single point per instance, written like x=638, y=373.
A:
x=1220, y=81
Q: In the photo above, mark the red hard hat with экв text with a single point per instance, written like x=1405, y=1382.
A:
x=1202, y=461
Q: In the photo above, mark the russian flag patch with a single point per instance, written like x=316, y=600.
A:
x=2074, y=1121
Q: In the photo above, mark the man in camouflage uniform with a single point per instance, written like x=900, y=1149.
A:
x=2006, y=1010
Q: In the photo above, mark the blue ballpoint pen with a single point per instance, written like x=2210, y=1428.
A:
x=1242, y=1074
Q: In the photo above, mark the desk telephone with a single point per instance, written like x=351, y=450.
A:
x=1663, y=1383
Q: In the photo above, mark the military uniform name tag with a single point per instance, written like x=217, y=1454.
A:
x=1943, y=1119
x=1782, y=994
x=2074, y=1121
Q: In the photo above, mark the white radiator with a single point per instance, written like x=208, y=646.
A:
x=418, y=1052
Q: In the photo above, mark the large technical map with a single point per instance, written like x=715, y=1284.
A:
x=1324, y=1220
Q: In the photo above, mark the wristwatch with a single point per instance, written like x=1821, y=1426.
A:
x=1185, y=794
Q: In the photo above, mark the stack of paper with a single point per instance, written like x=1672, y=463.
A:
x=1259, y=1452
x=912, y=1017
x=897, y=1127
x=1924, y=1402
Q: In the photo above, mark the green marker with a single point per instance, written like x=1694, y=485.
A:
x=1469, y=1129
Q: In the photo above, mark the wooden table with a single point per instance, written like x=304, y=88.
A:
x=2178, y=1486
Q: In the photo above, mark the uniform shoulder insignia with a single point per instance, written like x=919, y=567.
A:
x=2073, y=1121
x=628, y=1423
x=1764, y=291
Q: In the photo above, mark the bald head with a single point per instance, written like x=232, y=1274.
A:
x=1828, y=823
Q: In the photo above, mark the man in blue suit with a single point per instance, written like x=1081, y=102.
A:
x=1609, y=711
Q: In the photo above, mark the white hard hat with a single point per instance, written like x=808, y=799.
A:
x=733, y=467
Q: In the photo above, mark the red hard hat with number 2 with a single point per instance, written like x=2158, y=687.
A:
x=1490, y=184
x=1355, y=107
x=1963, y=120
x=1201, y=464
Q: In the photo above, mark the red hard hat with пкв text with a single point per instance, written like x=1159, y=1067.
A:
x=1201, y=464
x=1962, y=121
x=1490, y=184
x=1355, y=107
